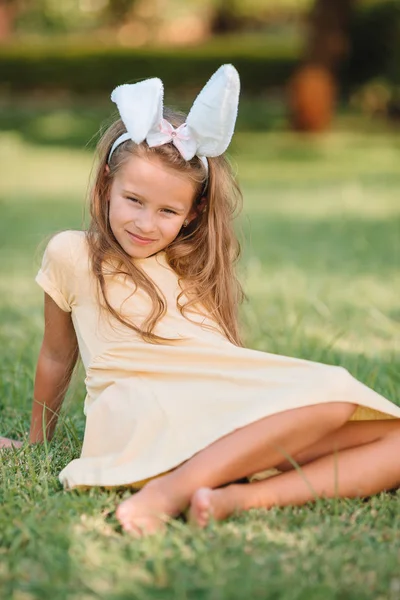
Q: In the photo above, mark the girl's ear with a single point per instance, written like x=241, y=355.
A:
x=201, y=205
x=198, y=209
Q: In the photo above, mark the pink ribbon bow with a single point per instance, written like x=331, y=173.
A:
x=180, y=137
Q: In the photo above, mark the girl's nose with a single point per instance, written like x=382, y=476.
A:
x=146, y=222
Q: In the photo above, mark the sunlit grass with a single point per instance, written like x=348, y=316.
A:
x=321, y=270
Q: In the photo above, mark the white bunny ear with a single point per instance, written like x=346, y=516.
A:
x=213, y=115
x=140, y=106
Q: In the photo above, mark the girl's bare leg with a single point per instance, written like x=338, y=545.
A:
x=247, y=450
x=360, y=463
x=352, y=434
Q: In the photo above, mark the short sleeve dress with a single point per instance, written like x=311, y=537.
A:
x=150, y=407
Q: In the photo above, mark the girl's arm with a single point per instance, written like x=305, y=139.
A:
x=57, y=358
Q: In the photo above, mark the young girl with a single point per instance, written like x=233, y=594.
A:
x=148, y=297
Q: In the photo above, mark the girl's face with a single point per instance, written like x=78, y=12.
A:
x=148, y=205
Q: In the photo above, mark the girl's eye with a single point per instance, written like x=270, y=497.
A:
x=136, y=201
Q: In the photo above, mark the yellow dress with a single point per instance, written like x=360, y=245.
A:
x=150, y=407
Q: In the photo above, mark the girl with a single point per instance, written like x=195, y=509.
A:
x=148, y=297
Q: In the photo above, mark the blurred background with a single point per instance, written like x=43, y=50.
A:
x=300, y=58
x=317, y=153
x=316, y=150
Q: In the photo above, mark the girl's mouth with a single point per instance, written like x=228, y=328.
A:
x=139, y=240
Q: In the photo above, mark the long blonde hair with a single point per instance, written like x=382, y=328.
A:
x=203, y=254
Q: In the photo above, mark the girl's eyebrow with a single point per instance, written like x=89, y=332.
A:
x=133, y=194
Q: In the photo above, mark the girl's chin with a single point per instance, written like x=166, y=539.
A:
x=143, y=252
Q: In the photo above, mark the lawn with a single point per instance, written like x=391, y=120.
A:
x=321, y=237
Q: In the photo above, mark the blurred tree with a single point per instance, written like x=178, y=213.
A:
x=375, y=42
x=8, y=13
x=234, y=15
x=225, y=16
x=117, y=11
x=312, y=89
x=374, y=65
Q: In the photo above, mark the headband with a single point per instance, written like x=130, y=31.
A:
x=208, y=128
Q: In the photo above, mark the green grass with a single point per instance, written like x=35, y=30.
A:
x=320, y=267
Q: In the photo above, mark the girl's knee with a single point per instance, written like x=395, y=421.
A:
x=347, y=410
x=339, y=413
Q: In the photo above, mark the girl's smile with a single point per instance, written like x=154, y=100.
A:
x=137, y=239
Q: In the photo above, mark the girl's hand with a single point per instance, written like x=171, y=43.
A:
x=7, y=443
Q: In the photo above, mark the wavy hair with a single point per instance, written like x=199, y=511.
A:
x=203, y=255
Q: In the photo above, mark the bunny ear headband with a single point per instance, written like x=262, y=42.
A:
x=208, y=128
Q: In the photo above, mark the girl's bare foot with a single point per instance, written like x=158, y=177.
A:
x=7, y=443
x=208, y=504
x=147, y=511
